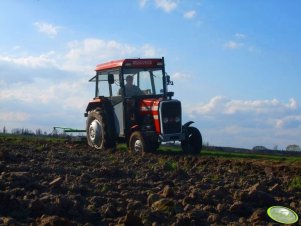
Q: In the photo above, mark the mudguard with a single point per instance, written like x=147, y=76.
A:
x=187, y=124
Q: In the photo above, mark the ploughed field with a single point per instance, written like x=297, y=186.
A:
x=53, y=182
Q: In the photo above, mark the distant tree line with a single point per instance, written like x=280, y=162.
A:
x=24, y=131
x=291, y=147
x=4, y=130
x=38, y=132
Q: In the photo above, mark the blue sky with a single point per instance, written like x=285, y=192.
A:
x=235, y=64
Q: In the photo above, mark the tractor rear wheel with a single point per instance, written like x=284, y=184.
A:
x=98, y=130
x=193, y=142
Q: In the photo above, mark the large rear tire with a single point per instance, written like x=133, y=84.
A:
x=193, y=142
x=98, y=131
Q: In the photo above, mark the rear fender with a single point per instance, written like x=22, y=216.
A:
x=97, y=102
x=105, y=107
x=92, y=106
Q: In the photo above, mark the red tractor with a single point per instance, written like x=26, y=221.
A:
x=143, y=115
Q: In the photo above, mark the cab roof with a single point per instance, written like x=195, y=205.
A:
x=131, y=63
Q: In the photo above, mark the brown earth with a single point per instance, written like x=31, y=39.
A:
x=45, y=183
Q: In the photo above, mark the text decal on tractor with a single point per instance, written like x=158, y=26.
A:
x=132, y=104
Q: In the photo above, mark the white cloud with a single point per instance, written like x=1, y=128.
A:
x=240, y=41
x=226, y=106
x=48, y=29
x=82, y=56
x=190, y=14
x=166, y=5
x=293, y=104
x=59, y=78
x=43, y=60
x=149, y=51
x=46, y=91
x=240, y=36
x=214, y=105
x=13, y=116
x=179, y=76
x=233, y=45
x=142, y=3
x=247, y=123
x=45, y=103
x=256, y=106
x=291, y=121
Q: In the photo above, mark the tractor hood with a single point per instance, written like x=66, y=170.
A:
x=150, y=106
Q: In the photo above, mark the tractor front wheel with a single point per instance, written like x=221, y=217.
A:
x=193, y=142
x=137, y=143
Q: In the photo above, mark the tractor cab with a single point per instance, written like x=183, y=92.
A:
x=132, y=103
x=128, y=78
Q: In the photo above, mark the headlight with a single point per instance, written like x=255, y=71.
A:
x=165, y=120
x=177, y=119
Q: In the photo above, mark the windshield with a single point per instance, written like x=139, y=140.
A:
x=103, y=88
x=143, y=81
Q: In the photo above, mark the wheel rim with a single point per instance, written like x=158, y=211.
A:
x=95, y=133
x=138, y=146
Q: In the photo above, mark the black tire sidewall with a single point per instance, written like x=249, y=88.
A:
x=136, y=135
x=91, y=117
x=193, y=144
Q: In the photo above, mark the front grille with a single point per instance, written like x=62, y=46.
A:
x=170, y=110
